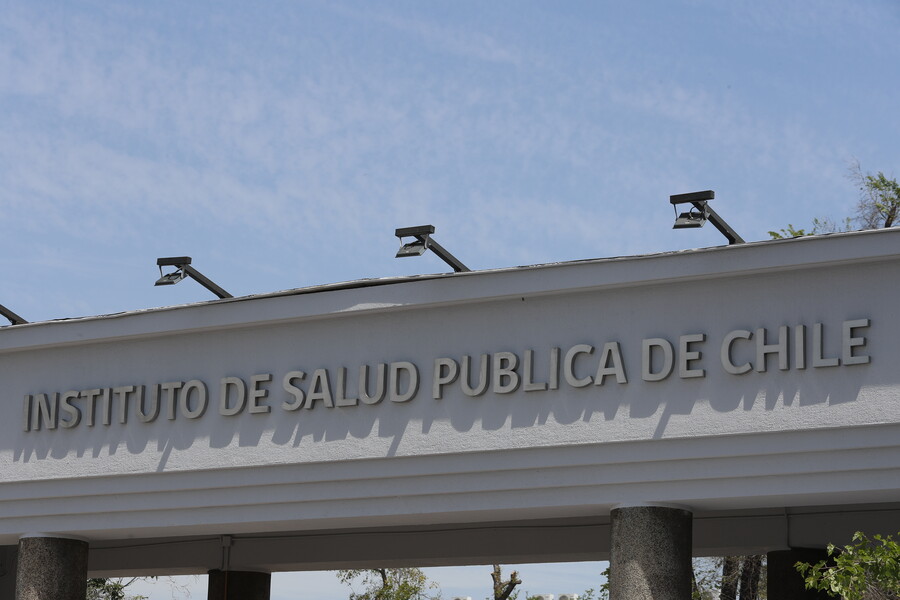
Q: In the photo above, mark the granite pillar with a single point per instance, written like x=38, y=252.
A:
x=8, y=572
x=650, y=553
x=238, y=585
x=51, y=568
x=783, y=582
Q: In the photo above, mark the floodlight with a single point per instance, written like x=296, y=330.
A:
x=421, y=238
x=700, y=213
x=423, y=241
x=171, y=278
x=183, y=269
x=692, y=218
x=14, y=319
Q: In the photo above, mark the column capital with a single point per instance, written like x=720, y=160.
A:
x=56, y=536
x=653, y=505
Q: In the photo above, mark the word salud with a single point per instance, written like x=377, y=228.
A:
x=740, y=351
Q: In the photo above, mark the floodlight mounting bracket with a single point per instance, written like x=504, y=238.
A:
x=14, y=319
x=184, y=269
x=423, y=241
x=700, y=201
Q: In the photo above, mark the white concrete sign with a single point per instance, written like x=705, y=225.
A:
x=750, y=383
x=503, y=372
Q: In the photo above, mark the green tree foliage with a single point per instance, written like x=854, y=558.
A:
x=390, y=584
x=823, y=225
x=863, y=570
x=503, y=589
x=111, y=589
x=878, y=206
x=879, y=198
x=588, y=594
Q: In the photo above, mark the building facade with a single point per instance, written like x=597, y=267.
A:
x=743, y=399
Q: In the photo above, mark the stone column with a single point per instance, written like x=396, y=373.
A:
x=51, y=568
x=238, y=585
x=8, y=572
x=783, y=582
x=650, y=553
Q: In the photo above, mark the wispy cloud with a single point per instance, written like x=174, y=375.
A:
x=477, y=45
x=457, y=41
x=336, y=121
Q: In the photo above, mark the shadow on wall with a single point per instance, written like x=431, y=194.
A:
x=579, y=368
x=603, y=394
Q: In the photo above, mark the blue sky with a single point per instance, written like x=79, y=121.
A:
x=455, y=582
x=280, y=143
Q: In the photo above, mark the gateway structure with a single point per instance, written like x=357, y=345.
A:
x=743, y=399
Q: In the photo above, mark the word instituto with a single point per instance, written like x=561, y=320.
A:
x=739, y=352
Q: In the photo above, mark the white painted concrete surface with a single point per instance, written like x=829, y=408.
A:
x=750, y=446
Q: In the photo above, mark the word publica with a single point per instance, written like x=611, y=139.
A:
x=505, y=372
